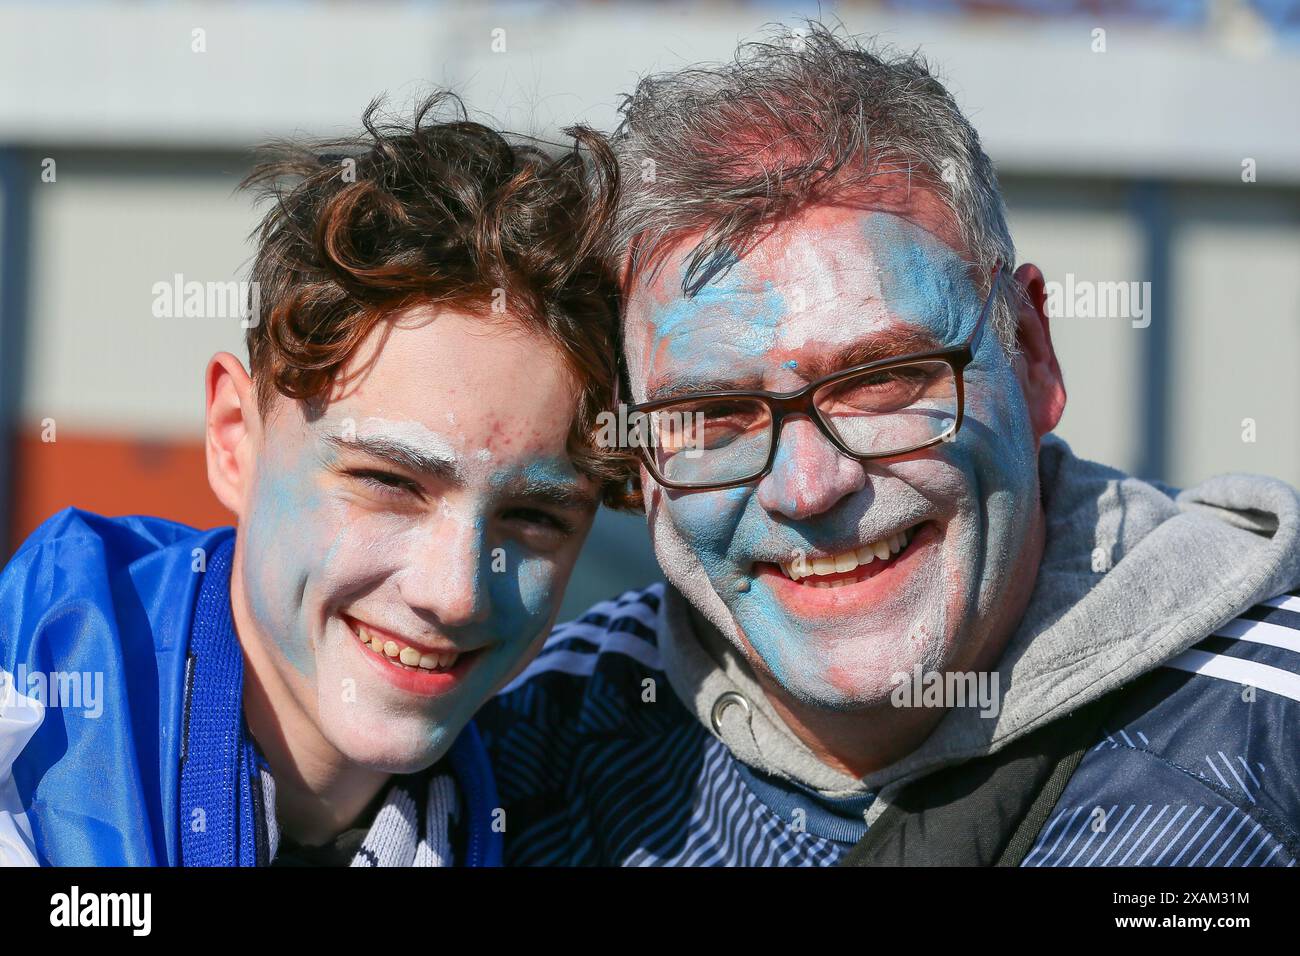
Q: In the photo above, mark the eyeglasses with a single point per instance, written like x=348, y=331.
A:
x=882, y=409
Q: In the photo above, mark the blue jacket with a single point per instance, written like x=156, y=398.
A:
x=1197, y=765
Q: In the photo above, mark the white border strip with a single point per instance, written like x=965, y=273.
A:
x=1252, y=674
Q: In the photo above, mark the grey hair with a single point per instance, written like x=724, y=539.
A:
x=800, y=117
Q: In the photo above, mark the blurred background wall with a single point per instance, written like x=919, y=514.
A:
x=1140, y=141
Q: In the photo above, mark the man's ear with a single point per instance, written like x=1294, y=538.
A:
x=1037, y=367
x=233, y=429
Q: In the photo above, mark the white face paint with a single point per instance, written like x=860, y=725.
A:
x=416, y=436
x=426, y=451
x=796, y=308
x=379, y=520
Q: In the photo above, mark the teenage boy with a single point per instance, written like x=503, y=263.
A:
x=410, y=463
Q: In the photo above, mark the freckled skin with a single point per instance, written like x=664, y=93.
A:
x=830, y=277
x=316, y=544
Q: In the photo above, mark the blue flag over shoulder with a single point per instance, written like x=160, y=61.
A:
x=95, y=617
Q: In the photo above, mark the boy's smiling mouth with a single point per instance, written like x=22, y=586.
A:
x=400, y=652
x=405, y=655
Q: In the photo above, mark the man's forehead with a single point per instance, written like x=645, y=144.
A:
x=821, y=247
x=822, y=277
x=835, y=285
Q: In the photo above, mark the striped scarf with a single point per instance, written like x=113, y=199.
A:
x=412, y=828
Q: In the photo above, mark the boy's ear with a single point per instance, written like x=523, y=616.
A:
x=233, y=430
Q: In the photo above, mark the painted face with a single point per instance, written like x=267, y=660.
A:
x=405, y=551
x=911, y=555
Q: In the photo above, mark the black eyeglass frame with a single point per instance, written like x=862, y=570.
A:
x=782, y=405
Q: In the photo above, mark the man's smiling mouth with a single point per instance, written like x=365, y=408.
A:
x=849, y=567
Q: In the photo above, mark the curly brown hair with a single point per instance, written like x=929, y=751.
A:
x=446, y=212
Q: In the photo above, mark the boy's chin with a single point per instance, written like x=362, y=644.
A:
x=410, y=749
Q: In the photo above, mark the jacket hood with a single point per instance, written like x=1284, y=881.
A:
x=1172, y=567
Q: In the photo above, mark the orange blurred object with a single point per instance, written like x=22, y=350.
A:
x=111, y=476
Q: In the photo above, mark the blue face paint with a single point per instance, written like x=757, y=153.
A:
x=283, y=549
x=751, y=332
x=923, y=281
x=391, y=518
x=524, y=599
x=828, y=282
x=316, y=544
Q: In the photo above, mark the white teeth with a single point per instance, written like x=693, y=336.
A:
x=369, y=640
x=884, y=549
x=433, y=662
x=828, y=584
x=407, y=656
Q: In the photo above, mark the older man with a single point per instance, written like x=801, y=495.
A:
x=903, y=623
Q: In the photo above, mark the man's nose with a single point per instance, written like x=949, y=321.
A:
x=809, y=475
x=446, y=577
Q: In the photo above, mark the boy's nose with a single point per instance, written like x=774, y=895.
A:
x=446, y=576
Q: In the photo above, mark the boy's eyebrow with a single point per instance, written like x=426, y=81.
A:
x=890, y=343
x=570, y=496
x=567, y=495
x=404, y=455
